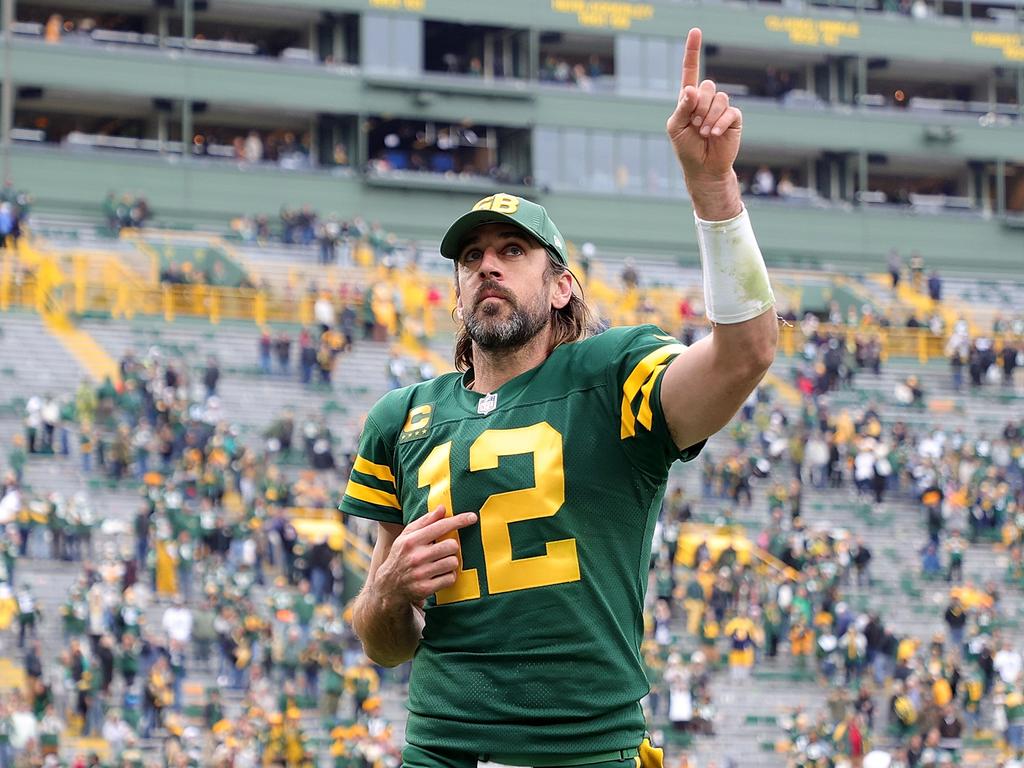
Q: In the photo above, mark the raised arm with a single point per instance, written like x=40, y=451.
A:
x=705, y=386
x=408, y=565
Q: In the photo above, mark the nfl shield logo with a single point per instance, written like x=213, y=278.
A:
x=487, y=404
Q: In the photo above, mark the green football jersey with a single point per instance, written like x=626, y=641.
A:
x=535, y=650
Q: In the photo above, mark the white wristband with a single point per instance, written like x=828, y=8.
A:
x=736, y=285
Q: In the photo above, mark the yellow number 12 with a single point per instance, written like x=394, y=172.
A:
x=560, y=564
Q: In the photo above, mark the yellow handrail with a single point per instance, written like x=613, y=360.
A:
x=6, y=279
x=45, y=291
x=737, y=538
x=100, y=283
x=356, y=552
x=773, y=563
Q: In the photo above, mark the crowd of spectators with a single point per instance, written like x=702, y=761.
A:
x=213, y=541
x=245, y=603
x=90, y=27
x=984, y=360
x=831, y=359
x=465, y=165
x=372, y=312
x=319, y=349
x=211, y=272
x=211, y=535
x=282, y=148
x=580, y=72
x=15, y=206
x=123, y=679
x=454, y=151
x=338, y=240
x=128, y=211
x=763, y=183
x=777, y=82
x=916, y=696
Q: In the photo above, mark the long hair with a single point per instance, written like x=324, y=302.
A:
x=573, y=322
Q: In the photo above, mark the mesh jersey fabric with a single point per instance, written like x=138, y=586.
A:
x=536, y=650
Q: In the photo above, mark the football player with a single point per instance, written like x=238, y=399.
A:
x=517, y=497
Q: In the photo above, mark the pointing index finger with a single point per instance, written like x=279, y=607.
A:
x=445, y=526
x=691, y=60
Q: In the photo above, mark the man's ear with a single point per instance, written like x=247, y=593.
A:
x=563, y=290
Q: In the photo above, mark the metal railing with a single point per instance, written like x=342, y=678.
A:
x=116, y=292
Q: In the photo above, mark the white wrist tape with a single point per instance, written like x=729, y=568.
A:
x=736, y=285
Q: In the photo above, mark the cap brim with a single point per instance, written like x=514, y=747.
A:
x=452, y=241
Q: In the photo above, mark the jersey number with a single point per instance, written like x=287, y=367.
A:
x=560, y=564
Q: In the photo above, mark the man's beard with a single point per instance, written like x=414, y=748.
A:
x=486, y=328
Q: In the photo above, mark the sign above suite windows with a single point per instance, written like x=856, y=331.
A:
x=813, y=32
x=1011, y=44
x=400, y=5
x=604, y=13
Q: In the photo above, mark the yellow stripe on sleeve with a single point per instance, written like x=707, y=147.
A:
x=371, y=495
x=380, y=471
x=645, y=415
x=640, y=374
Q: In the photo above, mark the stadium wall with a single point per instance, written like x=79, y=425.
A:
x=422, y=97
x=209, y=194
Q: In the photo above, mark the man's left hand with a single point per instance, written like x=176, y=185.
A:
x=704, y=129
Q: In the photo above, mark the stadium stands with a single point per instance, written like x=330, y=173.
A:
x=246, y=146
x=750, y=715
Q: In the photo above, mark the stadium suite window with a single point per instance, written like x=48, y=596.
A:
x=575, y=152
x=392, y=44
x=582, y=60
x=474, y=50
x=601, y=161
x=647, y=64
x=629, y=162
x=660, y=169
x=601, y=175
x=547, y=157
x=656, y=55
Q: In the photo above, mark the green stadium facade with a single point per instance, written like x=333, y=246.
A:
x=895, y=124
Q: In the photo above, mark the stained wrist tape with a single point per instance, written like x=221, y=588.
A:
x=736, y=284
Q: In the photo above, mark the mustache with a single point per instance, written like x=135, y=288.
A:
x=491, y=286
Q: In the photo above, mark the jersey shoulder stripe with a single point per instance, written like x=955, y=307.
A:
x=647, y=369
x=372, y=495
x=645, y=415
x=379, y=471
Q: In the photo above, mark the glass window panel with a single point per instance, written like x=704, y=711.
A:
x=657, y=156
x=547, y=157
x=675, y=64
x=376, y=41
x=406, y=45
x=602, y=177
x=629, y=162
x=656, y=65
x=627, y=63
x=574, y=159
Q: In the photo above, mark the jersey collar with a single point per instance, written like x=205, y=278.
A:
x=507, y=394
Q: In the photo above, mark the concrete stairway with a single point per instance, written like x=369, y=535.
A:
x=31, y=360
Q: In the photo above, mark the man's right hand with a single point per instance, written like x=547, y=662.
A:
x=424, y=558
